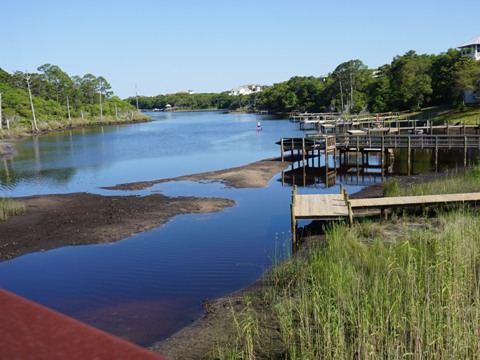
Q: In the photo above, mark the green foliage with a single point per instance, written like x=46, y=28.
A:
x=407, y=289
x=409, y=82
x=54, y=93
x=9, y=207
x=185, y=101
x=451, y=184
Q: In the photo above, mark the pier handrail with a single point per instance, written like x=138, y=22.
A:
x=406, y=141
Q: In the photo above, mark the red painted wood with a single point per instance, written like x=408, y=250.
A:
x=32, y=331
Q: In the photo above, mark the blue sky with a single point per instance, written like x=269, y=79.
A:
x=211, y=46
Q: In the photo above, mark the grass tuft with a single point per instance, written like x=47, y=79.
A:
x=9, y=207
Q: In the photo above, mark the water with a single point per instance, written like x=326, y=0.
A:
x=148, y=286
x=175, y=144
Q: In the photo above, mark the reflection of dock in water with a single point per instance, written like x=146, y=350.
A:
x=307, y=176
x=356, y=150
x=304, y=176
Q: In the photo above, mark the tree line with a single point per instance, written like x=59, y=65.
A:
x=51, y=94
x=184, y=101
x=410, y=82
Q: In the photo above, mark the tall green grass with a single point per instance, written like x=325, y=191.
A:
x=9, y=207
x=407, y=288
x=451, y=184
x=416, y=297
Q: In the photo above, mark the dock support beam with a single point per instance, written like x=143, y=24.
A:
x=293, y=219
x=282, y=150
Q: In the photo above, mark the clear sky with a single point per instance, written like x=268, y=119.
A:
x=168, y=46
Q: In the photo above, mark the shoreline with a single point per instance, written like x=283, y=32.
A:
x=82, y=218
x=200, y=339
x=53, y=221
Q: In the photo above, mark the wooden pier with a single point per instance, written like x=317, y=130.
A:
x=360, y=144
x=387, y=124
x=340, y=207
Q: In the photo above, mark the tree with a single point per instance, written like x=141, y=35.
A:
x=410, y=80
x=28, y=80
x=58, y=82
x=352, y=79
x=308, y=92
x=443, y=76
x=379, y=92
x=466, y=75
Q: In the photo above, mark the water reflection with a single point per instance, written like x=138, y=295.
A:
x=370, y=168
x=173, y=145
x=191, y=258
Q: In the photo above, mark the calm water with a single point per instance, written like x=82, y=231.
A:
x=150, y=285
x=175, y=144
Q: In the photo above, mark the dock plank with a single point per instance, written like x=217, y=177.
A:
x=414, y=200
x=320, y=206
x=334, y=206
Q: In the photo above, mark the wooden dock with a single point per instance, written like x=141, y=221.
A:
x=360, y=144
x=335, y=123
x=340, y=207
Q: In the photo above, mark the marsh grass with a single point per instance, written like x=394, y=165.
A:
x=14, y=132
x=406, y=288
x=45, y=125
x=451, y=184
x=417, y=297
x=9, y=207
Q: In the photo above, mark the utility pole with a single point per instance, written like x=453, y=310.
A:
x=351, y=89
x=68, y=109
x=341, y=90
x=101, y=112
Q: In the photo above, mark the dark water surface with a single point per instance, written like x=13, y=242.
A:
x=148, y=286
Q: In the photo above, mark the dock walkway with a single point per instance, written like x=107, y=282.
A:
x=339, y=207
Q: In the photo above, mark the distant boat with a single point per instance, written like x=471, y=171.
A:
x=415, y=132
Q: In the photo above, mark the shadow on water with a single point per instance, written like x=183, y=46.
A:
x=368, y=170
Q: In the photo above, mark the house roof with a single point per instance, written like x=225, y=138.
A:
x=474, y=41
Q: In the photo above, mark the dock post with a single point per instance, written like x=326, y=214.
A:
x=381, y=157
x=294, y=220
x=303, y=150
x=436, y=153
x=358, y=154
x=282, y=149
x=335, y=158
x=464, y=150
x=409, y=149
x=292, y=148
x=350, y=213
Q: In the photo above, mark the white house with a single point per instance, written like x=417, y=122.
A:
x=471, y=48
x=246, y=90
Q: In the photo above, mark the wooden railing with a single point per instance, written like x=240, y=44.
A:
x=407, y=141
